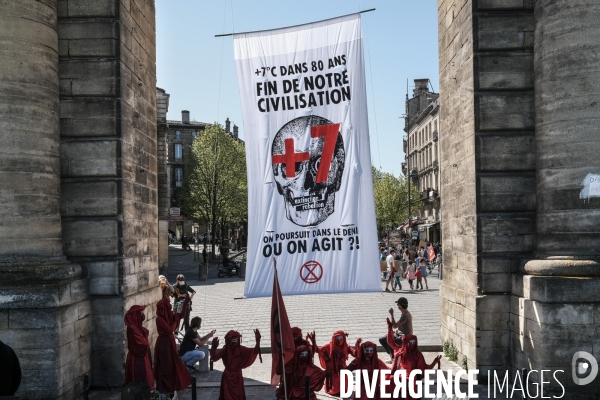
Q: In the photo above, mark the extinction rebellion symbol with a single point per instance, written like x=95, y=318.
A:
x=311, y=272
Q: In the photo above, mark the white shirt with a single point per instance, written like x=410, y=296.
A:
x=390, y=262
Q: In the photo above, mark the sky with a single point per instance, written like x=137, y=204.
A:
x=198, y=70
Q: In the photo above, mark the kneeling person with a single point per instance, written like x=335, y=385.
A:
x=187, y=350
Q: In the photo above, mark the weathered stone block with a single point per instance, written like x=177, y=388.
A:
x=562, y=289
x=507, y=152
x=506, y=111
x=504, y=4
x=505, y=32
x=86, y=8
x=88, y=158
x=88, y=199
x=89, y=48
x=505, y=72
x=88, y=118
x=515, y=192
x=90, y=238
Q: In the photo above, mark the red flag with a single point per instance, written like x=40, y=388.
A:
x=431, y=253
x=281, y=334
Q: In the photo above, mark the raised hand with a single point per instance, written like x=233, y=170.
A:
x=392, y=312
x=257, y=334
x=358, y=342
x=215, y=342
x=389, y=323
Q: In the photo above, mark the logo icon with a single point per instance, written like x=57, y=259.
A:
x=581, y=368
x=308, y=162
x=311, y=272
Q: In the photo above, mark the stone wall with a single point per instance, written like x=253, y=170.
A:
x=488, y=170
x=108, y=165
x=44, y=307
x=164, y=197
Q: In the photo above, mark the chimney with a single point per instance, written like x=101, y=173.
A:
x=420, y=86
x=235, y=131
x=185, y=116
x=227, y=126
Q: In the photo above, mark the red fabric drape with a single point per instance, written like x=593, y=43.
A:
x=234, y=359
x=333, y=358
x=169, y=371
x=282, y=339
x=138, y=365
x=296, y=384
x=370, y=365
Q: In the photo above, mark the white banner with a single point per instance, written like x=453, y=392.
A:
x=310, y=188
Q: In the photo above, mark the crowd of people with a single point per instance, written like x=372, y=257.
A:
x=408, y=262
x=169, y=369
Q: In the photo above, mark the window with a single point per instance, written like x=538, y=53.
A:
x=179, y=151
x=177, y=134
x=178, y=177
x=194, y=133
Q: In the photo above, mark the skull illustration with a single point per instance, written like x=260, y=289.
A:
x=308, y=162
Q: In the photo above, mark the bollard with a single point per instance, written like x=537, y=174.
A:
x=307, y=387
x=194, y=388
x=85, y=387
x=523, y=375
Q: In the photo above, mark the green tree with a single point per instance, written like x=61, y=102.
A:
x=215, y=184
x=391, y=199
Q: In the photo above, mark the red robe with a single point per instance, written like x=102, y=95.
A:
x=170, y=372
x=334, y=358
x=296, y=384
x=289, y=367
x=371, y=365
x=234, y=359
x=406, y=358
x=138, y=365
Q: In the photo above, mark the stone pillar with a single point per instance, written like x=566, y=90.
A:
x=556, y=310
x=164, y=196
x=107, y=52
x=44, y=311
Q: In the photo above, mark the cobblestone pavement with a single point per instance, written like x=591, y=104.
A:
x=220, y=303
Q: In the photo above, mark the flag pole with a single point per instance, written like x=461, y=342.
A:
x=279, y=315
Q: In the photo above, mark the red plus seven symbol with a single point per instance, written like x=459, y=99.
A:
x=329, y=133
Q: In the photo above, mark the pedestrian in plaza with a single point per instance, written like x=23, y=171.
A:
x=419, y=277
x=235, y=358
x=186, y=294
x=10, y=371
x=401, y=327
x=411, y=274
x=367, y=360
x=204, y=254
x=398, y=273
x=184, y=243
x=334, y=357
x=169, y=371
x=391, y=270
x=424, y=274
x=138, y=365
x=187, y=349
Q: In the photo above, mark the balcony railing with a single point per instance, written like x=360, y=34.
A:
x=435, y=164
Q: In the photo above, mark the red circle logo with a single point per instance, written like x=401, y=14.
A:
x=311, y=272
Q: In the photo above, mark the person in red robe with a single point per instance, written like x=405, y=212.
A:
x=235, y=358
x=169, y=371
x=367, y=359
x=138, y=365
x=334, y=357
x=303, y=365
x=407, y=355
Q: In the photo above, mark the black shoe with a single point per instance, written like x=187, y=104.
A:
x=191, y=368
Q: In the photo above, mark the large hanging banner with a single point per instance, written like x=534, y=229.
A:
x=310, y=188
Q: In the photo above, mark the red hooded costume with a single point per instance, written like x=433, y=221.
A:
x=303, y=365
x=407, y=356
x=169, y=371
x=334, y=357
x=289, y=367
x=367, y=361
x=138, y=365
x=235, y=358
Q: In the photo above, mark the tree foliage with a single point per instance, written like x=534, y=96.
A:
x=215, y=184
x=391, y=199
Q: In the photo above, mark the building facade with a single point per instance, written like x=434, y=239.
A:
x=180, y=136
x=422, y=155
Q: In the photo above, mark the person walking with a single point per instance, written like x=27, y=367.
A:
x=391, y=270
x=423, y=269
x=419, y=277
x=411, y=274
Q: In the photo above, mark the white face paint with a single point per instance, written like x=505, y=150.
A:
x=234, y=340
x=339, y=337
x=368, y=350
x=304, y=354
x=412, y=342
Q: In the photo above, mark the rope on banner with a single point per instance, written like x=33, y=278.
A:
x=373, y=96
